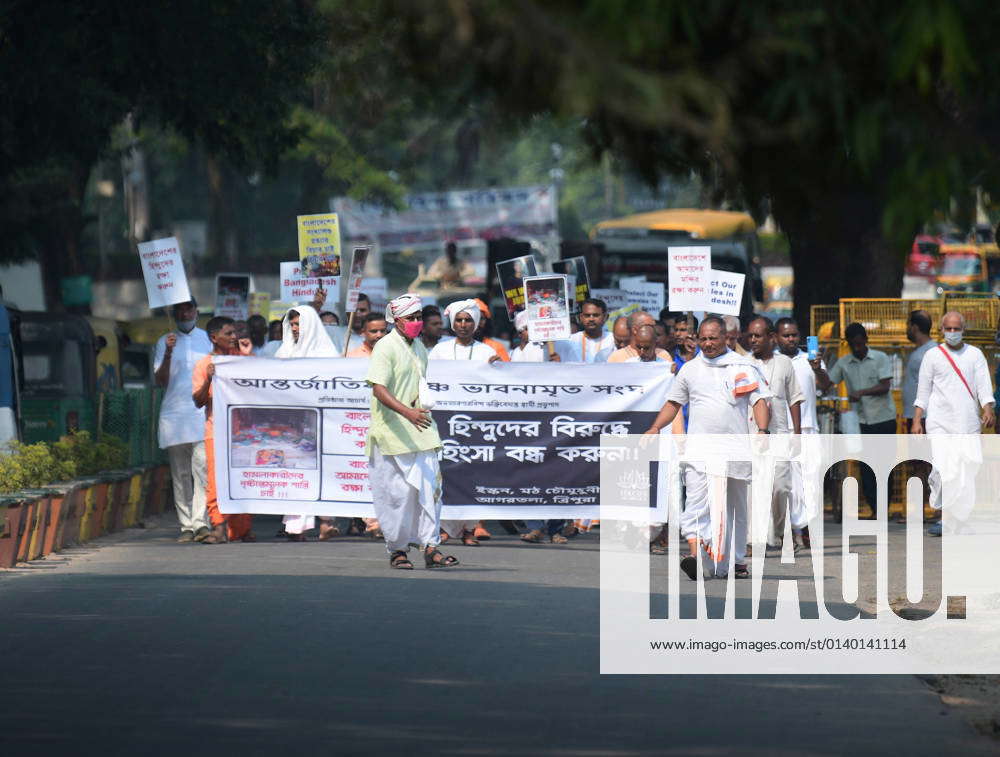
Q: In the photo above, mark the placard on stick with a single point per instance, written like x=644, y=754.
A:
x=298, y=288
x=575, y=267
x=319, y=244
x=547, y=302
x=688, y=277
x=511, y=274
x=359, y=259
x=163, y=272
x=725, y=292
x=232, y=295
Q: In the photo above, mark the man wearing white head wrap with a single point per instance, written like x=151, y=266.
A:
x=403, y=442
x=303, y=335
x=464, y=316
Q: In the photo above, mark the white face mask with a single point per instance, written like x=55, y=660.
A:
x=953, y=338
x=185, y=327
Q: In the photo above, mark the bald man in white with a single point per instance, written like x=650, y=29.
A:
x=954, y=384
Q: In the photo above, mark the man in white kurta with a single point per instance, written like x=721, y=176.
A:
x=805, y=491
x=464, y=317
x=182, y=424
x=722, y=389
x=594, y=338
x=403, y=441
x=786, y=400
x=954, y=383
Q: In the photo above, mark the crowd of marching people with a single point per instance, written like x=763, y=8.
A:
x=729, y=378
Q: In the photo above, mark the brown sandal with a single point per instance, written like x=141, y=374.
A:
x=400, y=561
x=327, y=531
x=434, y=559
x=533, y=537
x=217, y=535
x=469, y=539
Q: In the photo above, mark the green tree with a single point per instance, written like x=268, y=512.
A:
x=224, y=73
x=852, y=121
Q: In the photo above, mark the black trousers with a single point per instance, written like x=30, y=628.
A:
x=869, y=486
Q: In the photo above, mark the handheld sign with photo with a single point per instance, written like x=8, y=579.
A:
x=358, y=260
x=163, y=271
x=297, y=288
x=575, y=267
x=688, y=272
x=319, y=244
x=511, y=274
x=232, y=295
x=260, y=304
x=547, y=302
x=725, y=292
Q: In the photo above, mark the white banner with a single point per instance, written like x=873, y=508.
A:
x=520, y=440
x=163, y=270
x=517, y=212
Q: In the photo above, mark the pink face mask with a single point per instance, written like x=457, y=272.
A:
x=412, y=329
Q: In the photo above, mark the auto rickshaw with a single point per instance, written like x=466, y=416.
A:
x=60, y=376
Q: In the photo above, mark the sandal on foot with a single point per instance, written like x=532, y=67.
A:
x=443, y=537
x=741, y=571
x=400, y=561
x=558, y=538
x=481, y=533
x=690, y=567
x=469, y=539
x=375, y=535
x=217, y=536
x=533, y=537
x=656, y=549
x=434, y=559
x=327, y=531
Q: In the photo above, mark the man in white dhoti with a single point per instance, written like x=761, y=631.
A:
x=403, y=442
x=786, y=400
x=722, y=389
x=805, y=491
x=303, y=335
x=954, y=383
x=464, y=316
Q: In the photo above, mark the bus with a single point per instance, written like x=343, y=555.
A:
x=637, y=246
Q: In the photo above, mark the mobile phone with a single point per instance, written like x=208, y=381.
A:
x=812, y=347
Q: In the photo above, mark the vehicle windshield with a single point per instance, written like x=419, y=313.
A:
x=960, y=265
x=53, y=361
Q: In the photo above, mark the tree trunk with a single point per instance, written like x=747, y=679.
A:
x=222, y=237
x=58, y=236
x=837, y=248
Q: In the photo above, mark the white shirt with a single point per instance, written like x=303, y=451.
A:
x=947, y=404
x=779, y=373
x=537, y=352
x=807, y=385
x=180, y=421
x=656, y=359
x=270, y=348
x=586, y=348
x=452, y=350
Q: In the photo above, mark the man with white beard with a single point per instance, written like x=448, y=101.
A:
x=722, y=389
x=954, y=383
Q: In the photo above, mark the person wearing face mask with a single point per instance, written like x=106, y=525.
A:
x=403, y=442
x=954, y=384
x=182, y=424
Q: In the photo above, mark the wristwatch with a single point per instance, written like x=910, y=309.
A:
x=763, y=431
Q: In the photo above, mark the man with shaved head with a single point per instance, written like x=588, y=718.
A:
x=954, y=383
x=645, y=345
x=635, y=320
x=621, y=334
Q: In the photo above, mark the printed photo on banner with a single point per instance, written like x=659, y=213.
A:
x=725, y=292
x=319, y=244
x=163, y=272
x=547, y=301
x=688, y=273
x=232, y=295
x=359, y=259
x=298, y=288
x=269, y=437
x=511, y=274
x=575, y=267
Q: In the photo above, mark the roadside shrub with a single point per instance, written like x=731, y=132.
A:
x=28, y=466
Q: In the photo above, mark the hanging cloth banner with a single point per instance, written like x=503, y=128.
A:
x=520, y=440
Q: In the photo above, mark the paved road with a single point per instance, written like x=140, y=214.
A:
x=136, y=645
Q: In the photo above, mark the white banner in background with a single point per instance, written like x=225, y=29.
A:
x=520, y=440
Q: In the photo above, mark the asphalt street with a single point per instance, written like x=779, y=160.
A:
x=136, y=645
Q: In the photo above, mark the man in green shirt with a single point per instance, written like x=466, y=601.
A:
x=403, y=442
x=868, y=374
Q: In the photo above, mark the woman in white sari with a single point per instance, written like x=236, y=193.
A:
x=303, y=335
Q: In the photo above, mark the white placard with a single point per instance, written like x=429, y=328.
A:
x=547, y=302
x=725, y=292
x=688, y=273
x=378, y=293
x=648, y=295
x=298, y=288
x=163, y=270
x=613, y=298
